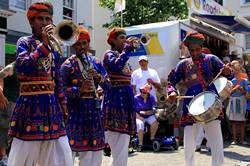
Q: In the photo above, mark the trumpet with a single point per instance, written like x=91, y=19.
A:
x=65, y=33
x=137, y=42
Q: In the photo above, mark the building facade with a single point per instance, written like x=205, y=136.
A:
x=5, y=12
x=241, y=7
x=81, y=12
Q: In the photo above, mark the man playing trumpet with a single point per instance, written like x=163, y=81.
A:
x=118, y=96
x=82, y=73
x=37, y=123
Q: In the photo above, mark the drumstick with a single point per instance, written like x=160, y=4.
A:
x=184, y=97
x=215, y=77
x=218, y=74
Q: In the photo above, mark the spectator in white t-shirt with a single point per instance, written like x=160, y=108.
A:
x=144, y=75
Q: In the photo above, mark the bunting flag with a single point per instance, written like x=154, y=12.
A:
x=119, y=5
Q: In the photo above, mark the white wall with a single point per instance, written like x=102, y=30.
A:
x=93, y=17
x=84, y=12
x=99, y=35
x=19, y=22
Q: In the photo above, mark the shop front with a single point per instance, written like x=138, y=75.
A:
x=218, y=25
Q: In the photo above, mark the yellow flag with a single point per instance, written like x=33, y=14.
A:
x=119, y=5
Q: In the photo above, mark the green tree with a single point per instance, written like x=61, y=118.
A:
x=146, y=11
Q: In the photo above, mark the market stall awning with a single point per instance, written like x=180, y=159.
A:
x=236, y=24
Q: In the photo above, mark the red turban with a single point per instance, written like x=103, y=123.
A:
x=194, y=38
x=114, y=33
x=39, y=8
x=83, y=34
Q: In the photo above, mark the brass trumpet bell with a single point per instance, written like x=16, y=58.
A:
x=66, y=32
x=144, y=40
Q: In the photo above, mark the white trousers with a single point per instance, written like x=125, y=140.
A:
x=119, y=148
x=200, y=136
x=214, y=137
x=89, y=158
x=40, y=153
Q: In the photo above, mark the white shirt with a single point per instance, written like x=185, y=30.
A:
x=139, y=78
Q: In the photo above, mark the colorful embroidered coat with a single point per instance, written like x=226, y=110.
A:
x=85, y=127
x=118, y=96
x=37, y=114
x=197, y=75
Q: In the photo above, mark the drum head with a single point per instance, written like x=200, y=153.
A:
x=202, y=102
x=220, y=84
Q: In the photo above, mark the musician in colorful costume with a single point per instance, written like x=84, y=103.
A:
x=118, y=97
x=197, y=72
x=37, y=123
x=82, y=73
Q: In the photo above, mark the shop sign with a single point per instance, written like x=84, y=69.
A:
x=207, y=7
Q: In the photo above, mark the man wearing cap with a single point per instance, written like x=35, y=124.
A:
x=118, y=103
x=37, y=123
x=81, y=74
x=197, y=72
x=144, y=75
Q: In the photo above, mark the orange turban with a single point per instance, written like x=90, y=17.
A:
x=114, y=33
x=83, y=34
x=39, y=8
x=194, y=38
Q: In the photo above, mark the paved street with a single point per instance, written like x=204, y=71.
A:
x=235, y=155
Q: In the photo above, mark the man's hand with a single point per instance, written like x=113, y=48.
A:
x=150, y=81
x=46, y=32
x=155, y=84
x=3, y=100
x=172, y=97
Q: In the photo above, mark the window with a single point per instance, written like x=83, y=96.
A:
x=68, y=9
x=18, y=4
x=247, y=42
x=219, y=2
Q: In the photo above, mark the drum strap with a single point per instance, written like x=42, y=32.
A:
x=238, y=83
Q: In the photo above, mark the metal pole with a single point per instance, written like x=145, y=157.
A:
x=121, y=16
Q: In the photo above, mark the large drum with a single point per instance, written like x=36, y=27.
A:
x=223, y=87
x=165, y=109
x=205, y=107
x=166, y=112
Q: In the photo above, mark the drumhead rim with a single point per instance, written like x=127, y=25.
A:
x=198, y=95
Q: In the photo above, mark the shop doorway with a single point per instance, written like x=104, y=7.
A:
x=217, y=46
